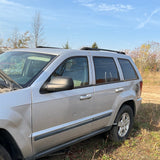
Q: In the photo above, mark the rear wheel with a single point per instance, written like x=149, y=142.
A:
x=4, y=155
x=123, y=124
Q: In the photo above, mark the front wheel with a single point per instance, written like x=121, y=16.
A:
x=4, y=155
x=123, y=124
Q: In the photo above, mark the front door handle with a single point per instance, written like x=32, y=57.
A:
x=87, y=96
x=119, y=90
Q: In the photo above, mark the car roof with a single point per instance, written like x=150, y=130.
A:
x=53, y=51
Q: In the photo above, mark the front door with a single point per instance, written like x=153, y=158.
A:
x=61, y=116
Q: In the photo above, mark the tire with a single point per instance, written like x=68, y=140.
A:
x=123, y=124
x=4, y=155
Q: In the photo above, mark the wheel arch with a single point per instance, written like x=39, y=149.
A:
x=126, y=107
x=131, y=103
x=8, y=142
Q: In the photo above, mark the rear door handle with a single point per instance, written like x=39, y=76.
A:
x=119, y=90
x=87, y=96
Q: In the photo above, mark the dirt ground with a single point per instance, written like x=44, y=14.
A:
x=151, y=94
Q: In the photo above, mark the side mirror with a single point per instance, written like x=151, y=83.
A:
x=58, y=84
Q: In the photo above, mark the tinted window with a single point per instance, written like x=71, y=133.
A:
x=75, y=68
x=127, y=69
x=106, y=70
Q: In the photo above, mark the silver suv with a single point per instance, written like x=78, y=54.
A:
x=52, y=98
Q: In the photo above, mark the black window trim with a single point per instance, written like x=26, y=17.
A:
x=95, y=71
x=132, y=67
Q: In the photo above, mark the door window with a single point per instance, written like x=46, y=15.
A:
x=75, y=68
x=105, y=70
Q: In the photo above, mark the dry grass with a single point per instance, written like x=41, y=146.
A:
x=144, y=141
x=151, y=88
x=151, y=78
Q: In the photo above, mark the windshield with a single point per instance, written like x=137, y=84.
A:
x=23, y=67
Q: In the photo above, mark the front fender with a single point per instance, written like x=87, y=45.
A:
x=15, y=117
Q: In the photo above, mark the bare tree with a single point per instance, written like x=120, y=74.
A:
x=19, y=40
x=24, y=39
x=37, y=29
x=13, y=40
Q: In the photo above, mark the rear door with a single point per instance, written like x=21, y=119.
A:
x=106, y=90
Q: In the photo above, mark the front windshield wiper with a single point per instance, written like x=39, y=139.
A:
x=12, y=84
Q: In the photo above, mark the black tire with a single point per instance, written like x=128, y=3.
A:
x=4, y=155
x=122, y=124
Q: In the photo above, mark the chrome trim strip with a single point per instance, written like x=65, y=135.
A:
x=70, y=125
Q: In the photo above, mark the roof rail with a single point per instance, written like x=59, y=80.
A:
x=48, y=47
x=99, y=49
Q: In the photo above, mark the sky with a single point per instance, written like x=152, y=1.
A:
x=112, y=24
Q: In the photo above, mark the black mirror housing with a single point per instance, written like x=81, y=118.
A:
x=58, y=84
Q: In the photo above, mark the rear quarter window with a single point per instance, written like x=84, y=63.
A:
x=129, y=72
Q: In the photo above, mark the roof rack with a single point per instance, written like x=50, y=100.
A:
x=87, y=48
x=48, y=47
x=99, y=49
